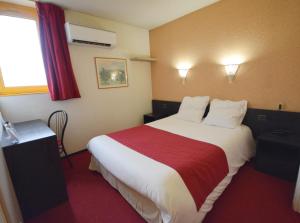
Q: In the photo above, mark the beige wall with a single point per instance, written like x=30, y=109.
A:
x=262, y=34
x=98, y=111
x=9, y=208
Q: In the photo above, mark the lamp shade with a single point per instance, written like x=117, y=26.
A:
x=183, y=72
x=231, y=69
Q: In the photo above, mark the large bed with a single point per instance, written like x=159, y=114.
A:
x=155, y=190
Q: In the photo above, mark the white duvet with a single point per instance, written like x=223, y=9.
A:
x=143, y=178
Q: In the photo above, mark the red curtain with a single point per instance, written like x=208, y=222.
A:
x=60, y=76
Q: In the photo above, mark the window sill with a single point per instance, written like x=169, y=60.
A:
x=23, y=91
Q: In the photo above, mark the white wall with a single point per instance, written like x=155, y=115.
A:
x=99, y=110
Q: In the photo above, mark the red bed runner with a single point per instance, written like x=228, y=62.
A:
x=201, y=165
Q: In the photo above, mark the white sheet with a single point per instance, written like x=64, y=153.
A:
x=160, y=183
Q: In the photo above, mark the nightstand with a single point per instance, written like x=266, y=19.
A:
x=278, y=155
x=151, y=117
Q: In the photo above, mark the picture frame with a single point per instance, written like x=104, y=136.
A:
x=111, y=72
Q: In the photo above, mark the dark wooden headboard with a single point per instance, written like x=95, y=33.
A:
x=259, y=120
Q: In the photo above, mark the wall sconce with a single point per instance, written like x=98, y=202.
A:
x=231, y=70
x=183, y=74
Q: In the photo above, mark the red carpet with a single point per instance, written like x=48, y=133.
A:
x=252, y=197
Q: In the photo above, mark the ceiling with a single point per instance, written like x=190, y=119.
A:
x=147, y=14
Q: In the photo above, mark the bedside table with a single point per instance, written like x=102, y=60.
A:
x=151, y=117
x=278, y=155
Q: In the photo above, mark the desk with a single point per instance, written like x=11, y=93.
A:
x=34, y=167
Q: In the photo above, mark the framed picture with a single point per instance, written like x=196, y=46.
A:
x=111, y=72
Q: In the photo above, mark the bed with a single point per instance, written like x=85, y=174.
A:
x=157, y=191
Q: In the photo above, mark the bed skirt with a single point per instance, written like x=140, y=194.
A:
x=144, y=206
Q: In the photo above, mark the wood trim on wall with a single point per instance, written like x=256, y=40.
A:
x=3, y=217
x=17, y=10
x=21, y=12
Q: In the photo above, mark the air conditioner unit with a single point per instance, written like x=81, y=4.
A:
x=85, y=35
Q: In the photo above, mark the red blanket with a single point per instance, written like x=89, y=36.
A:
x=201, y=165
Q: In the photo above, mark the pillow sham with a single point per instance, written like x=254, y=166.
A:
x=225, y=113
x=193, y=108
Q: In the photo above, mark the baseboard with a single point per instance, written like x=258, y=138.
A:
x=75, y=153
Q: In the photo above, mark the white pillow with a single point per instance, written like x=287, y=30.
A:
x=228, y=114
x=193, y=108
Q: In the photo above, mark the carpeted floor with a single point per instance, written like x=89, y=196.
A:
x=252, y=197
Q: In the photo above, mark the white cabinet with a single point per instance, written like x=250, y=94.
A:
x=296, y=201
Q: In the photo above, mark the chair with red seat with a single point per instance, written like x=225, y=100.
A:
x=58, y=121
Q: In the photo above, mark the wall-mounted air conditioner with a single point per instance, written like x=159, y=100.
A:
x=85, y=35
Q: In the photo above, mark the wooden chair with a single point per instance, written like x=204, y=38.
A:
x=58, y=121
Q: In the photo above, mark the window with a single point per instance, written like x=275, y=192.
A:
x=21, y=65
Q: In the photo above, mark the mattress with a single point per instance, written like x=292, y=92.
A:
x=141, y=180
